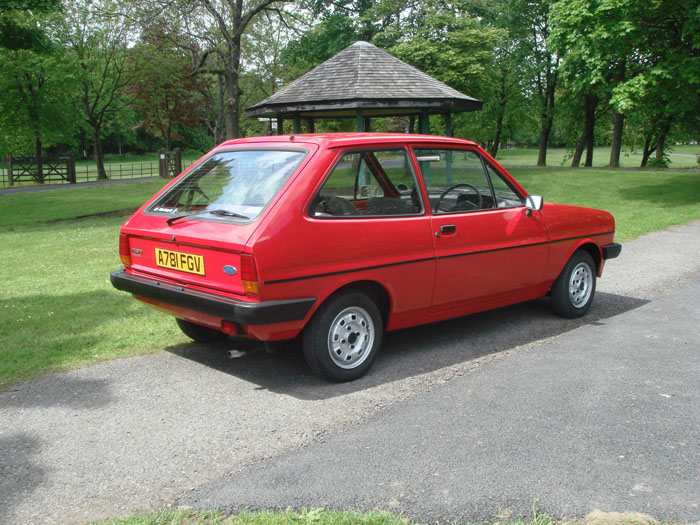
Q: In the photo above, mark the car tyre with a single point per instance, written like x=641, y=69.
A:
x=200, y=333
x=574, y=289
x=343, y=337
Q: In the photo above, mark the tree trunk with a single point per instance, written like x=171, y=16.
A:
x=502, y=101
x=578, y=150
x=649, y=146
x=544, y=139
x=661, y=139
x=99, y=154
x=233, y=91
x=219, y=118
x=547, y=118
x=618, y=126
x=586, y=141
x=591, y=103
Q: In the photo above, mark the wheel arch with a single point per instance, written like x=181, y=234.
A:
x=594, y=251
x=373, y=289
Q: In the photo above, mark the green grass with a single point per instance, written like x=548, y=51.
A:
x=59, y=310
x=30, y=208
x=601, y=157
x=324, y=517
x=314, y=516
x=641, y=201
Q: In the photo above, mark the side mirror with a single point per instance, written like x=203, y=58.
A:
x=534, y=203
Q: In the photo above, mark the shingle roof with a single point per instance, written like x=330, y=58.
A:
x=362, y=76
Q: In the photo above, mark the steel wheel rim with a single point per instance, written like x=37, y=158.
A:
x=351, y=337
x=580, y=285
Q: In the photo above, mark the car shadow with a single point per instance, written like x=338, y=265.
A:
x=405, y=353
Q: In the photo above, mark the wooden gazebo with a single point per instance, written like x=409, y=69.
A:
x=363, y=81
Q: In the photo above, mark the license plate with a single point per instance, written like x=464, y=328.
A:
x=184, y=262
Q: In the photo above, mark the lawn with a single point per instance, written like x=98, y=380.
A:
x=679, y=158
x=59, y=309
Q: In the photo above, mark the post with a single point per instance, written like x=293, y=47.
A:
x=70, y=168
x=359, y=121
x=9, y=169
x=297, y=124
x=310, y=125
x=424, y=122
x=367, y=124
x=162, y=164
x=280, y=126
x=448, y=124
x=178, y=161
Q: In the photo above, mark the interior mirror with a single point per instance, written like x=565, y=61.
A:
x=534, y=202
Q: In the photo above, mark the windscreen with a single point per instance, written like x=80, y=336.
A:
x=231, y=184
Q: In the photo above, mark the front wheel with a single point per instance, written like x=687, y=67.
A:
x=574, y=289
x=343, y=337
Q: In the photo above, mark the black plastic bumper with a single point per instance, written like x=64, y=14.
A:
x=244, y=313
x=612, y=250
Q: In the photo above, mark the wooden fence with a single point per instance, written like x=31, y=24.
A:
x=88, y=173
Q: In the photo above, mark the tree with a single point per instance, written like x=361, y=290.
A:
x=18, y=27
x=98, y=43
x=634, y=54
x=213, y=32
x=162, y=87
x=35, y=104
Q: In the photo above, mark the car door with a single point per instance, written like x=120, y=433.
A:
x=489, y=247
x=369, y=223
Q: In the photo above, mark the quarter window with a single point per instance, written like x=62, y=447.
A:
x=369, y=183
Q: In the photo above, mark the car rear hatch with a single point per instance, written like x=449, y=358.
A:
x=196, y=231
x=191, y=254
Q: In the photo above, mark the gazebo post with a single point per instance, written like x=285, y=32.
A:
x=367, y=124
x=448, y=124
x=297, y=124
x=309, y=125
x=424, y=122
x=280, y=125
x=359, y=121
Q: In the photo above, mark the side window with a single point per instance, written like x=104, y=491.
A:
x=506, y=197
x=369, y=183
x=455, y=179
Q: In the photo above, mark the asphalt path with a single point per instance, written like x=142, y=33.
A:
x=466, y=419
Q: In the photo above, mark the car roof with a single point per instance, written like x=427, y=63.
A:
x=334, y=140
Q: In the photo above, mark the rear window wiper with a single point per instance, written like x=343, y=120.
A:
x=218, y=212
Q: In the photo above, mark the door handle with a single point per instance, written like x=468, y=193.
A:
x=448, y=228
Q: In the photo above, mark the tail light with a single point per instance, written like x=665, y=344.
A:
x=124, y=249
x=249, y=275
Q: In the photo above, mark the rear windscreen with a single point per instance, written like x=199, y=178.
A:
x=234, y=184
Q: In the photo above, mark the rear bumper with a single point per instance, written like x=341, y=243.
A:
x=241, y=312
x=611, y=250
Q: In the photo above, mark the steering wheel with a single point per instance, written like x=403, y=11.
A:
x=463, y=184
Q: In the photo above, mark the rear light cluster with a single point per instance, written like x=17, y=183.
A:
x=124, y=249
x=249, y=275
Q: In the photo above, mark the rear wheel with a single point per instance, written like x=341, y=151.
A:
x=200, y=333
x=574, y=289
x=343, y=337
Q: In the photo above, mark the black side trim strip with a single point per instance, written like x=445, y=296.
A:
x=582, y=237
x=291, y=279
x=494, y=250
x=241, y=312
x=465, y=254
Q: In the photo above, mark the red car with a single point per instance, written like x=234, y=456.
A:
x=339, y=237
